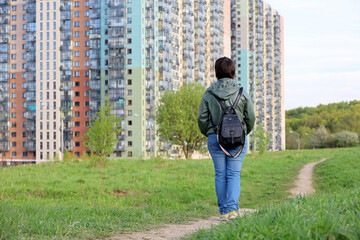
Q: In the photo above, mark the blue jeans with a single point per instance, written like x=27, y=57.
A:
x=227, y=175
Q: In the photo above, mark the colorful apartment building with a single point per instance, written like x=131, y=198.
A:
x=257, y=48
x=59, y=59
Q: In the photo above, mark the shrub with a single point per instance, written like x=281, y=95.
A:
x=345, y=139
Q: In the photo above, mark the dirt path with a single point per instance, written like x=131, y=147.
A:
x=303, y=186
x=303, y=183
x=174, y=231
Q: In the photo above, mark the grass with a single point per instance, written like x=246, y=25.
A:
x=332, y=213
x=66, y=200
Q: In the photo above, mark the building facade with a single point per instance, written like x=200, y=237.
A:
x=59, y=59
x=257, y=48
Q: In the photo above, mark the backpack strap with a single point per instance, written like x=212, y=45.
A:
x=237, y=98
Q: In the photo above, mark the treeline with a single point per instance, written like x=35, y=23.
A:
x=332, y=125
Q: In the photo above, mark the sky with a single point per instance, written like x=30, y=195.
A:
x=322, y=51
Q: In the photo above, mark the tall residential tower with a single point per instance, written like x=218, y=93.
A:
x=257, y=48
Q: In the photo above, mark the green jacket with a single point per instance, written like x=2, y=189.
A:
x=226, y=89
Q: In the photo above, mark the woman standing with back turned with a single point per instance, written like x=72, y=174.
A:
x=227, y=170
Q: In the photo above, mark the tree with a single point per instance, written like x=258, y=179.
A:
x=176, y=117
x=320, y=137
x=260, y=139
x=103, y=133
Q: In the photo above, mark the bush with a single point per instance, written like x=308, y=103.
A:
x=345, y=139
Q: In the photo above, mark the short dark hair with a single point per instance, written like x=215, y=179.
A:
x=224, y=68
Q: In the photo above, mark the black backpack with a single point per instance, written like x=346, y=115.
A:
x=230, y=131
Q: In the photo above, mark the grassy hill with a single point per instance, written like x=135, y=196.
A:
x=65, y=200
x=335, y=117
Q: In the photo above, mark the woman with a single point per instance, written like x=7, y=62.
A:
x=227, y=170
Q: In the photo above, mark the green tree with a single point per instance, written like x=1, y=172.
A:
x=260, y=139
x=103, y=133
x=176, y=117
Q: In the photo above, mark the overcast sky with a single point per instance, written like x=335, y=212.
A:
x=322, y=51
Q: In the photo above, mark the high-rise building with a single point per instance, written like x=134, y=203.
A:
x=257, y=48
x=59, y=59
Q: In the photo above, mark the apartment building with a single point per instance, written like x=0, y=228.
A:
x=59, y=59
x=258, y=48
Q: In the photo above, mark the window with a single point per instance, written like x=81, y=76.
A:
x=129, y=40
x=77, y=134
x=77, y=94
x=13, y=134
x=77, y=34
x=77, y=14
x=129, y=154
x=129, y=71
x=129, y=133
x=129, y=82
x=13, y=154
x=129, y=112
x=76, y=84
x=77, y=4
x=129, y=102
x=129, y=51
x=25, y=154
x=77, y=104
x=129, y=20
x=13, y=114
x=13, y=144
x=129, y=61
x=77, y=124
x=76, y=24
x=128, y=30
x=129, y=122
x=77, y=114
x=77, y=74
x=129, y=143
x=77, y=54
x=13, y=85
x=77, y=144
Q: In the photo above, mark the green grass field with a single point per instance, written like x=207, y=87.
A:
x=66, y=200
x=332, y=213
